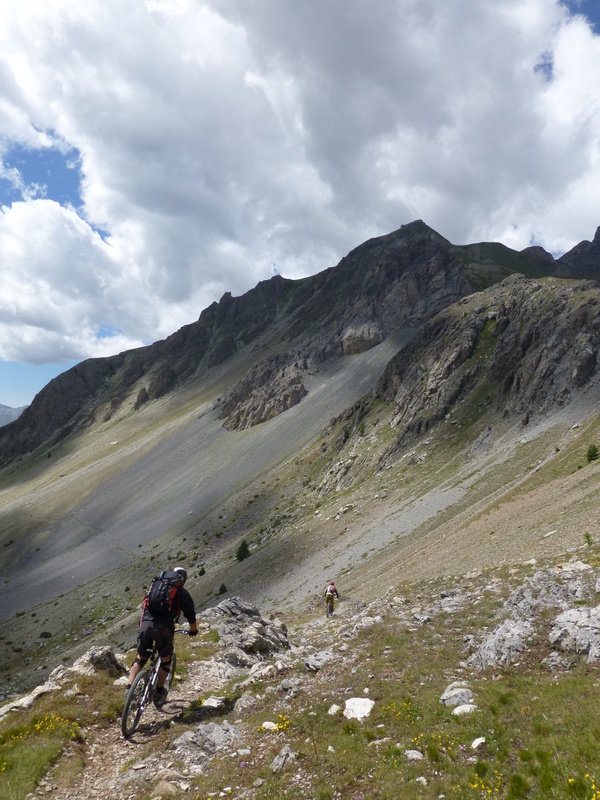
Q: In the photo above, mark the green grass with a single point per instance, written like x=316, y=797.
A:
x=27, y=751
x=31, y=744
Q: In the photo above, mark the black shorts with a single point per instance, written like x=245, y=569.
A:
x=151, y=632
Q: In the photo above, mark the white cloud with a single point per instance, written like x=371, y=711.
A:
x=218, y=139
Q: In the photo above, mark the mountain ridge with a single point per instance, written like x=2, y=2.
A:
x=393, y=281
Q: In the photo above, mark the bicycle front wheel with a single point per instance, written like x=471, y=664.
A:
x=135, y=703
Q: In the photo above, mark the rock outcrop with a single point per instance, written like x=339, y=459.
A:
x=241, y=629
x=267, y=390
x=530, y=345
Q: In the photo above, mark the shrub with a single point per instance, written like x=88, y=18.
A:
x=243, y=551
x=592, y=453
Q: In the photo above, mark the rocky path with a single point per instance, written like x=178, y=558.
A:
x=116, y=768
x=121, y=769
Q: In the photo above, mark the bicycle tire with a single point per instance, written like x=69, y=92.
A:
x=135, y=703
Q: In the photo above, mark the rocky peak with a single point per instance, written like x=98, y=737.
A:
x=582, y=261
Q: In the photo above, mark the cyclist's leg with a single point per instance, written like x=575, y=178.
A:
x=165, y=649
x=144, y=649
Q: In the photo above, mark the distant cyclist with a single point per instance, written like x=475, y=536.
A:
x=165, y=601
x=330, y=594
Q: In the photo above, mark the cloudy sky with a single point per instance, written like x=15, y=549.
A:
x=157, y=153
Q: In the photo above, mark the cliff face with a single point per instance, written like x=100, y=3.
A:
x=522, y=347
x=393, y=282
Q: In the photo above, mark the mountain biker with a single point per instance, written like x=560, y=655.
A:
x=159, y=629
x=330, y=594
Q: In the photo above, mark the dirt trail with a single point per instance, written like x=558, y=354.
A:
x=108, y=756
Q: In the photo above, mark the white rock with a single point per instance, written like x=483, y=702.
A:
x=334, y=709
x=460, y=711
x=413, y=755
x=358, y=707
x=478, y=743
x=214, y=702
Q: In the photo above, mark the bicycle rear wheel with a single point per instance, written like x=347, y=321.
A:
x=135, y=703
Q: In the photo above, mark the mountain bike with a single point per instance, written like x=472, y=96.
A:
x=143, y=691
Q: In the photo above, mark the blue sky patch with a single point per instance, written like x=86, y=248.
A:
x=46, y=172
x=107, y=331
x=589, y=8
x=20, y=382
x=545, y=66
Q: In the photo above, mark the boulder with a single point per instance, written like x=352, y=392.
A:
x=243, y=632
x=577, y=630
x=457, y=694
x=285, y=756
x=207, y=740
x=99, y=659
x=318, y=660
x=503, y=645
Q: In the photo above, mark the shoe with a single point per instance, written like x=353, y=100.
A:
x=160, y=697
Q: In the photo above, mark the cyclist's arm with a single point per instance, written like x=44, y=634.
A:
x=189, y=611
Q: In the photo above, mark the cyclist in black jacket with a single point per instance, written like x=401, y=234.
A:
x=159, y=629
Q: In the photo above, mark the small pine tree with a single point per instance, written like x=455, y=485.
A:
x=592, y=453
x=222, y=588
x=243, y=551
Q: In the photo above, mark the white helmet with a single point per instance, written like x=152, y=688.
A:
x=181, y=571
